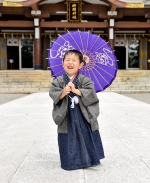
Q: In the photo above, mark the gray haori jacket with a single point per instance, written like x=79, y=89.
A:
x=88, y=102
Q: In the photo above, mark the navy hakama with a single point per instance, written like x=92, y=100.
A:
x=81, y=147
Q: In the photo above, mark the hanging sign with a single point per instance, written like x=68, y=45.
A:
x=12, y=42
x=74, y=9
x=11, y=3
x=135, y=5
x=120, y=42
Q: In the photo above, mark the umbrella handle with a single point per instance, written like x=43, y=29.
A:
x=74, y=77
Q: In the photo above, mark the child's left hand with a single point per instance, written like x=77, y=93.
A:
x=73, y=89
x=71, y=85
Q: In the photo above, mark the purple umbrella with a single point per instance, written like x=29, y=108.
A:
x=101, y=63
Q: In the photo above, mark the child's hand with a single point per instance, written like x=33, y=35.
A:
x=72, y=87
x=66, y=90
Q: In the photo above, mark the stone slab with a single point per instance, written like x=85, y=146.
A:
x=29, y=149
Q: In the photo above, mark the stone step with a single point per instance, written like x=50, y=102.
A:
x=36, y=90
x=127, y=91
x=25, y=86
x=128, y=87
x=23, y=90
x=23, y=81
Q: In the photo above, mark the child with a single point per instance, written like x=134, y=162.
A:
x=76, y=108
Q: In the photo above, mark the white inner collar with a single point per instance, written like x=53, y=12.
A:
x=70, y=77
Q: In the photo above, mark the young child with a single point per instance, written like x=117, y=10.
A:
x=76, y=108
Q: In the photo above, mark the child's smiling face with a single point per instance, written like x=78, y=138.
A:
x=72, y=64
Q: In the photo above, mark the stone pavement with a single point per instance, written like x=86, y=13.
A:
x=144, y=97
x=28, y=142
x=9, y=97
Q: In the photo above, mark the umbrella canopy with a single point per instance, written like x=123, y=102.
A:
x=101, y=63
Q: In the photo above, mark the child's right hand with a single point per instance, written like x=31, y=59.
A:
x=66, y=90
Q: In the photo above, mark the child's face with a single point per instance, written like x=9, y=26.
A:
x=72, y=64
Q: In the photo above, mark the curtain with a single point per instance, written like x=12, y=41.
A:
x=143, y=54
x=3, y=54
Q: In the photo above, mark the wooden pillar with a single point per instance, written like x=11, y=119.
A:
x=111, y=33
x=111, y=43
x=45, y=46
x=37, y=54
x=37, y=46
x=148, y=55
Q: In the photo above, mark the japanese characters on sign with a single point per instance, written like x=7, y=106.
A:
x=13, y=4
x=135, y=5
x=74, y=10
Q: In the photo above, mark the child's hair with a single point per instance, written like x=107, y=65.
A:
x=76, y=52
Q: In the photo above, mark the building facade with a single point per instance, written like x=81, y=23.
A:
x=28, y=27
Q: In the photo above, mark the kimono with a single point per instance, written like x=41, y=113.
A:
x=79, y=139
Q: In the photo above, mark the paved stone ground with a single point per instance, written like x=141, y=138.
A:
x=4, y=98
x=29, y=151
x=144, y=97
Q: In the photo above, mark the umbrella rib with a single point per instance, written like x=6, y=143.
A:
x=55, y=65
x=108, y=53
x=89, y=74
x=104, y=71
x=74, y=40
x=87, y=41
x=58, y=72
x=81, y=40
x=101, y=76
x=59, y=44
x=100, y=47
x=65, y=40
x=108, y=66
x=94, y=43
x=97, y=80
x=55, y=58
x=54, y=50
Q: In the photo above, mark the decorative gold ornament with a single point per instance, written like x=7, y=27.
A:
x=135, y=5
x=12, y=4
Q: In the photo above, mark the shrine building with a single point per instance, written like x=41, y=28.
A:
x=28, y=27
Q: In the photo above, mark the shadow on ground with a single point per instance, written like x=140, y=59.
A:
x=4, y=98
x=143, y=97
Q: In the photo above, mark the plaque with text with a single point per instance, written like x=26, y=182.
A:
x=74, y=9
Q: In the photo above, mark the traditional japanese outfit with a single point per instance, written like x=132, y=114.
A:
x=79, y=140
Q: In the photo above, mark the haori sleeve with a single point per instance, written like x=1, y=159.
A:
x=88, y=93
x=55, y=91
